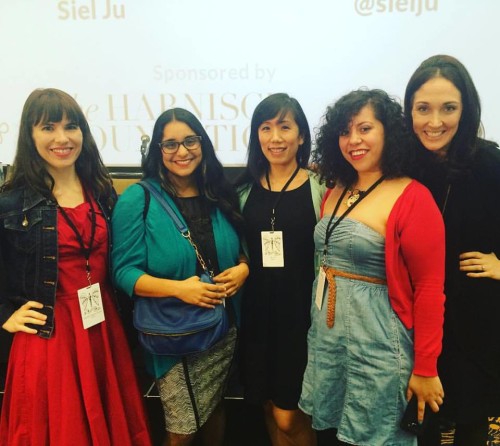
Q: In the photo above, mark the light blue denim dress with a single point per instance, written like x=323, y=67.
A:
x=358, y=370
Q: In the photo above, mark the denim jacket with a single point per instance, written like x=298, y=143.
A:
x=29, y=253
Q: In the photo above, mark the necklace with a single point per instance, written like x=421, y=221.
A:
x=353, y=196
x=332, y=225
x=448, y=189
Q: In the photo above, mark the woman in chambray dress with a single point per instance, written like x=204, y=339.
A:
x=376, y=329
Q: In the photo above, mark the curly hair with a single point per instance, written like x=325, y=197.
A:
x=466, y=141
x=327, y=156
x=278, y=104
x=210, y=178
x=29, y=168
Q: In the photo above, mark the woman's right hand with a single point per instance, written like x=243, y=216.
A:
x=25, y=315
x=195, y=292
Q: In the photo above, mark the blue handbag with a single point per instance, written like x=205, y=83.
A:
x=169, y=326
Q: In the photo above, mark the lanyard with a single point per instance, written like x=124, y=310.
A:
x=331, y=227
x=273, y=216
x=84, y=250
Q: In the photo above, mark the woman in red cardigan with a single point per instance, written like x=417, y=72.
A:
x=378, y=299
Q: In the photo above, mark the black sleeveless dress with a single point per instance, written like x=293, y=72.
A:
x=277, y=301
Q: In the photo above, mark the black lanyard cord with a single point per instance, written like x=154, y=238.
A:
x=294, y=174
x=84, y=250
x=331, y=227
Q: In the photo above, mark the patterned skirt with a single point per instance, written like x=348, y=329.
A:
x=193, y=388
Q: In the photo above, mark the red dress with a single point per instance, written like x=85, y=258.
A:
x=79, y=387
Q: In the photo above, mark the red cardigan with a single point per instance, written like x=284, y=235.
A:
x=415, y=262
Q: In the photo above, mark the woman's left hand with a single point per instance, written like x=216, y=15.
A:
x=428, y=390
x=233, y=278
x=479, y=265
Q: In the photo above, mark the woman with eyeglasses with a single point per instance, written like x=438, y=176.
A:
x=151, y=259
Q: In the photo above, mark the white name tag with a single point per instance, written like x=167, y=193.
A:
x=320, y=289
x=272, y=249
x=91, y=305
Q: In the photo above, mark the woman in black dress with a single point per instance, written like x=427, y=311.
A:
x=280, y=200
x=462, y=171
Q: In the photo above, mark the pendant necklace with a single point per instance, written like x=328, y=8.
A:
x=353, y=196
x=330, y=227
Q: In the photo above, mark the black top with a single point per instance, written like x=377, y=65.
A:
x=196, y=212
x=472, y=327
x=277, y=301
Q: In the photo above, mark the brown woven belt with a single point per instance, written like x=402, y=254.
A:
x=332, y=289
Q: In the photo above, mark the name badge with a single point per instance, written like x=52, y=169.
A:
x=91, y=305
x=320, y=289
x=272, y=249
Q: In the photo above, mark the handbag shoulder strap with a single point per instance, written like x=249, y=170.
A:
x=183, y=229
x=166, y=206
x=147, y=199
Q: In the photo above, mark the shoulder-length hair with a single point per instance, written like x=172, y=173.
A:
x=275, y=105
x=327, y=156
x=464, y=144
x=210, y=178
x=29, y=169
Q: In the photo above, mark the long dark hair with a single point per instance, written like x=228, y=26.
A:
x=327, y=156
x=29, y=169
x=278, y=104
x=465, y=143
x=209, y=175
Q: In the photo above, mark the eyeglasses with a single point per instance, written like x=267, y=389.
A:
x=190, y=143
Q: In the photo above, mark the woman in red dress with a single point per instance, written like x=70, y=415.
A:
x=70, y=377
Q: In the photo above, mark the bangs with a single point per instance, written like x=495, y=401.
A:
x=342, y=120
x=273, y=111
x=284, y=111
x=53, y=107
x=276, y=105
x=346, y=109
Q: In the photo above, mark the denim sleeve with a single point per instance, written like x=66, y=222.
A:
x=7, y=305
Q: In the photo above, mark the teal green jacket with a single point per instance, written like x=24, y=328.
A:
x=154, y=245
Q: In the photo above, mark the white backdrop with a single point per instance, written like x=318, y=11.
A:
x=125, y=61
